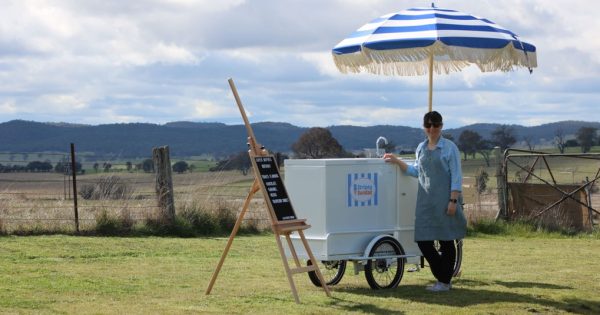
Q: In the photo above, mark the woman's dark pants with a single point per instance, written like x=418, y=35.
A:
x=442, y=262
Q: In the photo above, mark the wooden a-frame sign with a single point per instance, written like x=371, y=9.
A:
x=283, y=218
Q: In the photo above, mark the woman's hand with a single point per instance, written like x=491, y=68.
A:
x=390, y=158
x=451, y=208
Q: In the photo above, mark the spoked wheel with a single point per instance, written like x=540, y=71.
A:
x=458, y=262
x=385, y=273
x=332, y=271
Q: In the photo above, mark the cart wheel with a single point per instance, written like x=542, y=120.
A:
x=459, y=252
x=385, y=273
x=332, y=271
x=458, y=262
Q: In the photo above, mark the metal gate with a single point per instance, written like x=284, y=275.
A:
x=557, y=190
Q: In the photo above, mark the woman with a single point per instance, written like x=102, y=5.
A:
x=438, y=214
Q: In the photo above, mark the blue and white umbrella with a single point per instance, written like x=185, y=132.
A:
x=423, y=40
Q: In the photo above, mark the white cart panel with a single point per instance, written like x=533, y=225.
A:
x=348, y=202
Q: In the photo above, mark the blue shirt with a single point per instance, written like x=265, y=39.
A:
x=450, y=157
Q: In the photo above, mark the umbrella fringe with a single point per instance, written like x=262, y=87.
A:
x=415, y=61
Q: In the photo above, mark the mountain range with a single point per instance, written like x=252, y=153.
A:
x=218, y=139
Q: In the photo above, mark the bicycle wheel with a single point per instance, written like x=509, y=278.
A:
x=332, y=271
x=385, y=273
x=458, y=261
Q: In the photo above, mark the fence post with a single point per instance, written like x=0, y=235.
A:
x=164, y=183
x=500, y=182
x=74, y=172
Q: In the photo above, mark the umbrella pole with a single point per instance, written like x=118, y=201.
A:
x=430, y=81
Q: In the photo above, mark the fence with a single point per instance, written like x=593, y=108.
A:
x=480, y=186
x=37, y=189
x=42, y=197
x=557, y=190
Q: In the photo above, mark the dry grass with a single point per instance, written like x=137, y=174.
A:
x=43, y=201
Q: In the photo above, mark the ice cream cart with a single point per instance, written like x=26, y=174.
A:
x=361, y=210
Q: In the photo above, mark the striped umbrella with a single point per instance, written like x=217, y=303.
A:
x=423, y=40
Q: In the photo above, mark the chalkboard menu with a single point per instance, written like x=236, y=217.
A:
x=274, y=189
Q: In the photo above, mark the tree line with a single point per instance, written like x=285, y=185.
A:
x=66, y=168
x=318, y=143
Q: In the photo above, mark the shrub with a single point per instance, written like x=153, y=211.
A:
x=226, y=219
x=109, y=225
x=111, y=187
x=203, y=222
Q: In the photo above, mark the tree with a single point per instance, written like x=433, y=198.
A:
x=559, y=140
x=129, y=166
x=317, y=143
x=529, y=142
x=37, y=166
x=180, y=167
x=468, y=142
x=571, y=143
x=481, y=179
x=107, y=166
x=65, y=168
x=448, y=136
x=239, y=161
x=148, y=165
x=96, y=167
x=389, y=147
x=484, y=147
x=504, y=137
x=586, y=137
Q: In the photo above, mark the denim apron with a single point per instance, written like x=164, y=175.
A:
x=431, y=221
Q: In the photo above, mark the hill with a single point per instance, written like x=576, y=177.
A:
x=197, y=138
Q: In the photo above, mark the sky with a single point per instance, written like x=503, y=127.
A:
x=158, y=61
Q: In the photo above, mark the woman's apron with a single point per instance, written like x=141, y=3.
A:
x=431, y=221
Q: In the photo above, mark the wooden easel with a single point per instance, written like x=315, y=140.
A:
x=283, y=219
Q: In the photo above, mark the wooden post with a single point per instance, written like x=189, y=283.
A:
x=500, y=182
x=164, y=183
x=74, y=171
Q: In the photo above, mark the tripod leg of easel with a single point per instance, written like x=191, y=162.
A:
x=314, y=261
x=238, y=223
x=292, y=249
x=286, y=266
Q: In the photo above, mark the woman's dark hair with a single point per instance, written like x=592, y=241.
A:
x=433, y=117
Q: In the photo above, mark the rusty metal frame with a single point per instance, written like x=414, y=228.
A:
x=541, y=155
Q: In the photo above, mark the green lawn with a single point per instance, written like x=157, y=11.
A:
x=66, y=274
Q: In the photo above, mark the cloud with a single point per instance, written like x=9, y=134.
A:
x=206, y=110
x=8, y=107
x=169, y=60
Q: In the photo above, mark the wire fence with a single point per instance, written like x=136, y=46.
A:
x=36, y=189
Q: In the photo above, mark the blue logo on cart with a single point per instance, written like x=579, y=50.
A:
x=362, y=189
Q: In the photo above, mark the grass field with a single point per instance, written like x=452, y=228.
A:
x=83, y=275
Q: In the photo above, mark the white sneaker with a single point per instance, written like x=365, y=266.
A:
x=439, y=287
x=432, y=285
